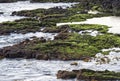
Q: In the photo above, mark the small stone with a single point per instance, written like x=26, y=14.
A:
x=74, y=63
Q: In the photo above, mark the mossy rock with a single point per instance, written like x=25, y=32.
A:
x=89, y=75
x=20, y=26
x=82, y=27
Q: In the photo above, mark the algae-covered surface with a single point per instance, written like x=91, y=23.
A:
x=74, y=46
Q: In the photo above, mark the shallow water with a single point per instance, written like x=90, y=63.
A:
x=9, y=18
x=8, y=8
x=30, y=70
x=39, y=70
x=111, y=21
x=9, y=40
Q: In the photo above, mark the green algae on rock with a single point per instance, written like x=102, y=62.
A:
x=80, y=27
x=83, y=45
x=20, y=26
x=89, y=75
x=65, y=46
x=107, y=6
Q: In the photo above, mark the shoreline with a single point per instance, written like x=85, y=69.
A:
x=68, y=44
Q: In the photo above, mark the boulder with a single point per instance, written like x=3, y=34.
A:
x=66, y=75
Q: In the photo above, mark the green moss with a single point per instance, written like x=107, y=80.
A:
x=69, y=49
x=80, y=17
x=80, y=27
x=89, y=75
x=68, y=45
x=106, y=41
x=20, y=26
x=106, y=52
x=76, y=46
x=101, y=75
x=49, y=17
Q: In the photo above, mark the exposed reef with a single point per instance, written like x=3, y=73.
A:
x=69, y=43
x=89, y=75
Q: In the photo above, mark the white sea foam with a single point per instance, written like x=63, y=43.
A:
x=89, y=32
x=38, y=70
x=9, y=40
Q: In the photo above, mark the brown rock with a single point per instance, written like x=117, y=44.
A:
x=74, y=63
x=66, y=75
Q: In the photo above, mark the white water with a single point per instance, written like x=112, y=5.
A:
x=38, y=70
x=89, y=32
x=93, y=12
x=8, y=8
x=9, y=18
x=30, y=70
x=111, y=21
x=9, y=40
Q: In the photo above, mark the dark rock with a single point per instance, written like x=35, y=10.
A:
x=14, y=54
x=74, y=63
x=88, y=75
x=62, y=36
x=42, y=57
x=23, y=26
x=7, y=1
x=66, y=75
x=1, y=12
x=42, y=39
x=61, y=29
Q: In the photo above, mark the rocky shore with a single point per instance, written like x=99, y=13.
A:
x=47, y=18
x=109, y=6
x=20, y=26
x=66, y=45
x=69, y=43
